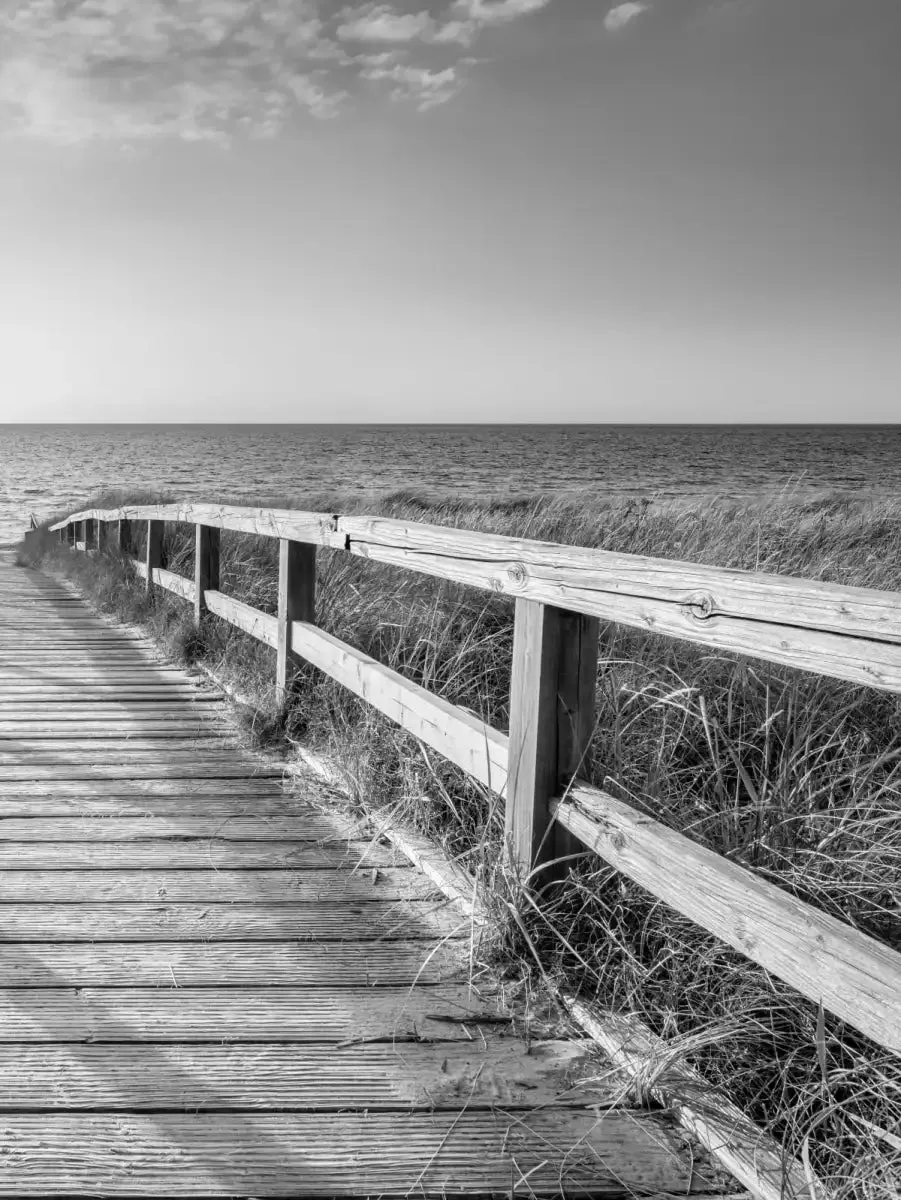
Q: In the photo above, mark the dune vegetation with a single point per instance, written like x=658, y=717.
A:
x=795, y=776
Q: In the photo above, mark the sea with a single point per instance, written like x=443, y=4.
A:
x=48, y=468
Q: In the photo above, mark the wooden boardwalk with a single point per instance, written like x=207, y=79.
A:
x=210, y=987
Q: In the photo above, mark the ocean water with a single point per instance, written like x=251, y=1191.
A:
x=45, y=468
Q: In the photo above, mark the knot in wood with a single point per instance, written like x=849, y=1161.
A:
x=701, y=605
x=517, y=575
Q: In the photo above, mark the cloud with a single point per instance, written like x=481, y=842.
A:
x=427, y=87
x=381, y=23
x=132, y=70
x=620, y=16
x=497, y=12
x=129, y=71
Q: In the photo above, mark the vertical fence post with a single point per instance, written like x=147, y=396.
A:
x=88, y=526
x=552, y=690
x=154, y=554
x=296, y=602
x=63, y=533
x=206, y=567
x=123, y=536
x=102, y=535
x=71, y=533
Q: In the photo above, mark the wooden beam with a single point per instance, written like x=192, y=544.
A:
x=296, y=602
x=260, y=625
x=828, y=961
x=154, y=552
x=551, y=722
x=458, y=735
x=206, y=567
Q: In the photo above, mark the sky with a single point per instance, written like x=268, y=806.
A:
x=464, y=210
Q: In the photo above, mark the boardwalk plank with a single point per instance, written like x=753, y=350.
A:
x=201, y=965
x=350, y=1154
x=204, y=886
x=210, y=852
x=376, y=1076
x=216, y=921
x=247, y=1014
x=304, y=827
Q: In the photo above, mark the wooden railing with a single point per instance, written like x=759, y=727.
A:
x=561, y=593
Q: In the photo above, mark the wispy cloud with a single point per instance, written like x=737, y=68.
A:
x=426, y=87
x=620, y=16
x=132, y=70
x=380, y=23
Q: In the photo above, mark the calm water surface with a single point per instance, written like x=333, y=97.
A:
x=44, y=468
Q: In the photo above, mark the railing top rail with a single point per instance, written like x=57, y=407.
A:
x=851, y=633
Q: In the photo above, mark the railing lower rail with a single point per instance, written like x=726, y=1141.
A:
x=562, y=593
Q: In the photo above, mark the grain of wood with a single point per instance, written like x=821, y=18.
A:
x=230, y=921
x=211, y=853
x=852, y=975
x=375, y=1077
x=179, y=965
x=458, y=735
x=347, y=1154
x=296, y=602
x=248, y=1014
x=277, y=886
x=306, y=827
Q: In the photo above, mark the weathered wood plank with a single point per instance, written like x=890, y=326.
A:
x=269, y=522
x=148, y=805
x=198, y=852
x=19, y=772
x=346, y=1154
x=296, y=602
x=139, y=672
x=306, y=827
x=246, y=1014
x=143, y=788
x=251, y=620
x=376, y=1077
x=73, y=750
x=44, y=732
x=270, y=964
x=238, y=921
x=153, y=557
x=201, y=886
x=827, y=960
x=206, y=567
x=40, y=693
x=551, y=722
x=453, y=732
x=846, y=632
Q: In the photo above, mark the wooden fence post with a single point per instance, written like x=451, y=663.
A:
x=71, y=533
x=123, y=536
x=102, y=535
x=154, y=554
x=296, y=602
x=206, y=567
x=88, y=526
x=555, y=656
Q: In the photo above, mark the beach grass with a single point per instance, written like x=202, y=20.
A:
x=796, y=776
